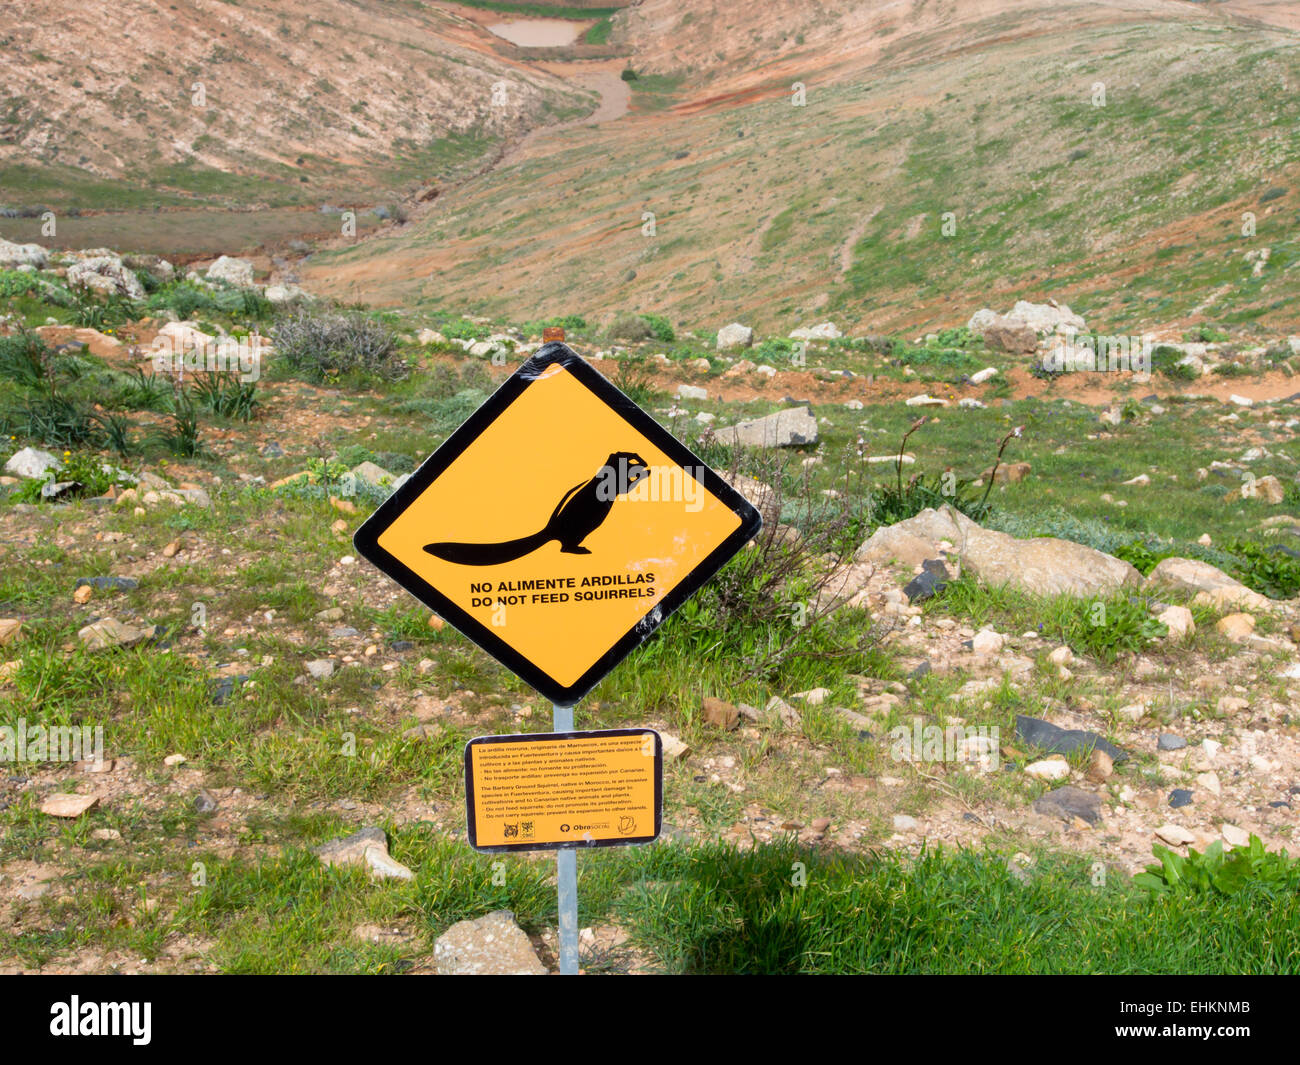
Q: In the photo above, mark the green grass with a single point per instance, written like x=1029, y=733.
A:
x=775, y=909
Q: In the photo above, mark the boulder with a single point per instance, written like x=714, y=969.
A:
x=281, y=294
x=792, y=427
x=373, y=474
x=12, y=255
x=893, y=543
x=1042, y=566
x=822, y=331
x=1236, y=627
x=32, y=463
x=1266, y=489
x=735, y=335
x=1049, y=317
x=109, y=632
x=181, y=336
x=233, y=271
x=492, y=945
x=105, y=274
x=1207, y=584
x=1010, y=336
x=156, y=267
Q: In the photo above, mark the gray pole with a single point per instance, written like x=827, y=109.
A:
x=566, y=868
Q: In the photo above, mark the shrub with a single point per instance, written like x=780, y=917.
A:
x=1165, y=360
x=642, y=327
x=323, y=346
x=446, y=414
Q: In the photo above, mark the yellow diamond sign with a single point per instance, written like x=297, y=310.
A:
x=558, y=526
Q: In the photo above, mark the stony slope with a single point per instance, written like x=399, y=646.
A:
x=300, y=99
x=765, y=211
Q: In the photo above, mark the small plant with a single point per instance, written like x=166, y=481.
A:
x=143, y=391
x=1216, y=873
x=181, y=437
x=225, y=395
x=26, y=360
x=117, y=433
x=1269, y=571
x=635, y=379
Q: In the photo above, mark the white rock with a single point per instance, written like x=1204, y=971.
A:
x=987, y=642
x=734, y=336
x=691, y=392
x=278, y=294
x=1241, y=401
x=984, y=375
x=384, y=866
x=234, y=271
x=1056, y=768
x=1179, y=621
x=822, y=331
x=23, y=255
x=107, y=275
x=31, y=462
x=1235, y=836
x=1175, y=835
x=1050, y=317
x=321, y=668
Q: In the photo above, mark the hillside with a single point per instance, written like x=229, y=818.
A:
x=764, y=210
x=300, y=104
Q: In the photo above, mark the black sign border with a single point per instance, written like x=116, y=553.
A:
x=578, y=844
x=366, y=538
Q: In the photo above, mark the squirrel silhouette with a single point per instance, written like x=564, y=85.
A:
x=579, y=513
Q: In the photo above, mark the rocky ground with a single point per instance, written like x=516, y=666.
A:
x=1020, y=693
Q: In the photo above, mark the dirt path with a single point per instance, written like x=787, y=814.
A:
x=600, y=76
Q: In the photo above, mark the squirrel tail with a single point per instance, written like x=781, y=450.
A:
x=488, y=554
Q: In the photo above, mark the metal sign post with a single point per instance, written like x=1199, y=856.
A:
x=566, y=872
x=640, y=525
